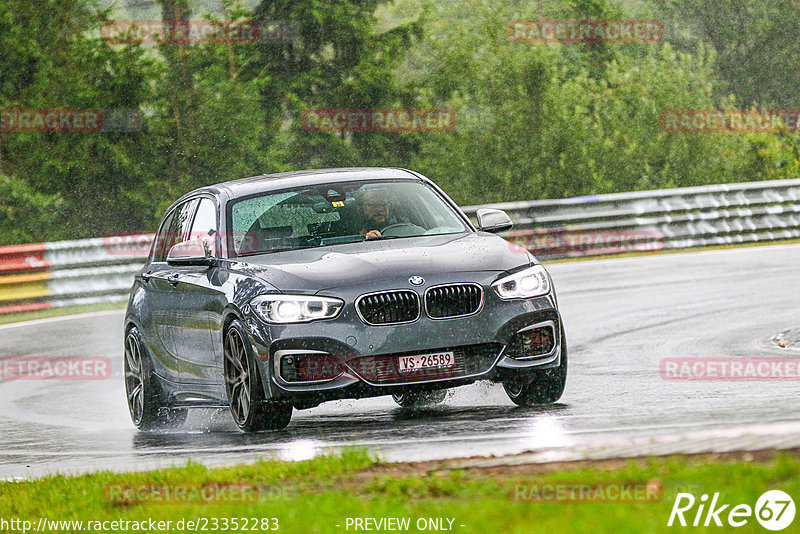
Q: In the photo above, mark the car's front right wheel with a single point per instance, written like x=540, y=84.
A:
x=251, y=411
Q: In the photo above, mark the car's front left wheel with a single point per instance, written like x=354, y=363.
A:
x=420, y=399
x=251, y=411
x=141, y=387
x=541, y=387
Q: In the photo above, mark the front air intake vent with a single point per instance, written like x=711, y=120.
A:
x=389, y=307
x=453, y=300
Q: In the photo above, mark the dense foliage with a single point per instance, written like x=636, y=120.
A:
x=532, y=120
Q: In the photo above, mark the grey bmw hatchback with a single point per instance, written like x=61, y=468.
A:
x=282, y=291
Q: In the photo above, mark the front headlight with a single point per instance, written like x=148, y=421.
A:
x=531, y=282
x=283, y=309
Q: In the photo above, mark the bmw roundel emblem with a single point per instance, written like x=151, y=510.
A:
x=416, y=280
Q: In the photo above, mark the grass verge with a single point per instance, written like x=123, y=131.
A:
x=319, y=494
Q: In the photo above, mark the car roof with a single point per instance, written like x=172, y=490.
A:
x=310, y=177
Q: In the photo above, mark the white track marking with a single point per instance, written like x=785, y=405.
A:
x=36, y=322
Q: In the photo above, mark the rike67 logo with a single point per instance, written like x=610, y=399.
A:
x=774, y=510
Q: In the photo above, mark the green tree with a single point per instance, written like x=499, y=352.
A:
x=547, y=121
x=337, y=58
x=53, y=57
x=25, y=215
x=755, y=42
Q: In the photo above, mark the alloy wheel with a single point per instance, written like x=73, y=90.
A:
x=134, y=383
x=237, y=376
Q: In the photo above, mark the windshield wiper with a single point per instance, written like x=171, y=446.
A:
x=270, y=251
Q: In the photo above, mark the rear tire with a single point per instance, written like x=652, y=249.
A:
x=541, y=387
x=420, y=399
x=251, y=411
x=145, y=402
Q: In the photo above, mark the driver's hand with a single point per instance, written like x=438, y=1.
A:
x=372, y=233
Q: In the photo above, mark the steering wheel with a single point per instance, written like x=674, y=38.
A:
x=398, y=225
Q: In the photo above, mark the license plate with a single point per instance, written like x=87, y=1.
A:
x=437, y=360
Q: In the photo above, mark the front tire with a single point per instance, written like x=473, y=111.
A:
x=251, y=411
x=144, y=397
x=420, y=399
x=541, y=387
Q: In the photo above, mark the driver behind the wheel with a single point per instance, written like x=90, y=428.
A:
x=382, y=218
x=375, y=208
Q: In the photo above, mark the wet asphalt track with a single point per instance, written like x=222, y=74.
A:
x=622, y=317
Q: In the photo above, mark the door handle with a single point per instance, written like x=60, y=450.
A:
x=173, y=279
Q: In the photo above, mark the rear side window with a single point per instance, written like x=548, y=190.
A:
x=160, y=247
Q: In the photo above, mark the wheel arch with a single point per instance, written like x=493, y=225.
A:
x=129, y=325
x=233, y=313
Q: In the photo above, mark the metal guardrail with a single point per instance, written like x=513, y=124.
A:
x=45, y=275
x=64, y=273
x=655, y=220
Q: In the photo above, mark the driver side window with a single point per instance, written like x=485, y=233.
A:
x=204, y=227
x=175, y=229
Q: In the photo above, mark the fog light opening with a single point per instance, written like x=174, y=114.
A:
x=534, y=341
x=308, y=367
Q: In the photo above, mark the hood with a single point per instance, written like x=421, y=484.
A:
x=320, y=268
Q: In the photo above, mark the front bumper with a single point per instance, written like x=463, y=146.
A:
x=367, y=355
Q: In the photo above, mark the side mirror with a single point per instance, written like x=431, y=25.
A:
x=494, y=221
x=190, y=253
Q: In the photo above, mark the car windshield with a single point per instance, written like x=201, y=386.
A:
x=332, y=214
